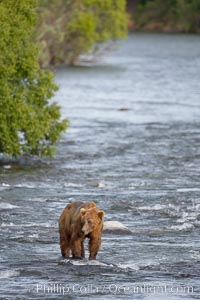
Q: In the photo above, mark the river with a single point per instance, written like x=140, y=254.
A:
x=133, y=147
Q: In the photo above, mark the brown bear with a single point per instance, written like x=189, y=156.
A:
x=79, y=221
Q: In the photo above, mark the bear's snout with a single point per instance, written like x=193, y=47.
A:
x=82, y=231
x=86, y=229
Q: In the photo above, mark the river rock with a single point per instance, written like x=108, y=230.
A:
x=115, y=227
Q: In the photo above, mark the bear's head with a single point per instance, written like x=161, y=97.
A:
x=91, y=219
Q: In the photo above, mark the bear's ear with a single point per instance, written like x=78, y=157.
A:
x=91, y=204
x=82, y=211
x=101, y=214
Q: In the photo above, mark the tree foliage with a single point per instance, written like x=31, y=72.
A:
x=28, y=123
x=180, y=15
x=69, y=28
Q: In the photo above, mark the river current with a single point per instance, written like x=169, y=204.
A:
x=133, y=148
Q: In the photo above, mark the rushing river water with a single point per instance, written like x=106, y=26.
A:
x=133, y=148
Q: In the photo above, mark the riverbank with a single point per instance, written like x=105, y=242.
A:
x=157, y=27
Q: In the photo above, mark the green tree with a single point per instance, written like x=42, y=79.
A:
x=67, y=29
x=28, y=123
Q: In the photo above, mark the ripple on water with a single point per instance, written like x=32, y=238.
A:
x=4, y=274
x=5, y=205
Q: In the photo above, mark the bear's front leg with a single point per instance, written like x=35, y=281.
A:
x=77, y=248
x=94, y=245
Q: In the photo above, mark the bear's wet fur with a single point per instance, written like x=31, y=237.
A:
x=78, y=221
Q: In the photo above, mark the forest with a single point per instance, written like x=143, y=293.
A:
x=165, y=16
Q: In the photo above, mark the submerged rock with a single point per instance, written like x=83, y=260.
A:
x=123, y=109
x=115, y=227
